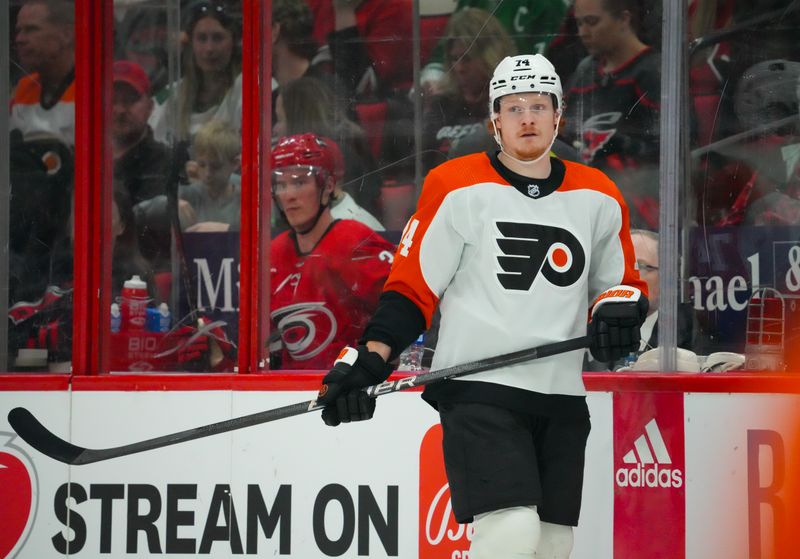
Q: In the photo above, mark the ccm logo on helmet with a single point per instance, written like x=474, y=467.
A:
x=530, y=248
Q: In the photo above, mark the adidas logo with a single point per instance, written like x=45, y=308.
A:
x=647, y=460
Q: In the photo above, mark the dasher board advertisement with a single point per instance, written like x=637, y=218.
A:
x=714, y=473
x=293, y=488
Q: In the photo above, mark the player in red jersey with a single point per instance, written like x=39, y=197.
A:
x=326, y=275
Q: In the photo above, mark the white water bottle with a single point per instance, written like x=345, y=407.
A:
x=411, y=358
x=134, y=304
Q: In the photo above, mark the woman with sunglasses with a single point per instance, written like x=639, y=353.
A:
x=211, y=85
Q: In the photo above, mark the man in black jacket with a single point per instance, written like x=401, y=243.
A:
x=141, y=164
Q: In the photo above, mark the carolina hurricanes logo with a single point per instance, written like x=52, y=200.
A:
x=597, y=131
x=18, y=497
x=593, y=141
x=530, y=248
x=306, y=328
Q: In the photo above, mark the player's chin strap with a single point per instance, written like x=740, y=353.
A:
x=526, y=161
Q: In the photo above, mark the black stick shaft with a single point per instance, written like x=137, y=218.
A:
x=39, y=437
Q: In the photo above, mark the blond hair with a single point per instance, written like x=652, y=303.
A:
x=482, y=35
x=217, y=138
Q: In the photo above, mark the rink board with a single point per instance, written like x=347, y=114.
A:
x=668, y=474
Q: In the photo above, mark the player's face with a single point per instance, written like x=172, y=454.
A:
x=526, y=123
x=298, y=195
x=212, y=45
x=598, y=29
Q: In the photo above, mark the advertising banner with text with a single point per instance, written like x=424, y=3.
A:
x=704, y=475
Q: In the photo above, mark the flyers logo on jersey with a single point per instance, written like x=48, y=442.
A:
x=529, y=248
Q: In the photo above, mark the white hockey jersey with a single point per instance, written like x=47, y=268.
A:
x=513, y=265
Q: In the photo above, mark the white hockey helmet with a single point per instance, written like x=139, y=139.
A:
x=527, y=73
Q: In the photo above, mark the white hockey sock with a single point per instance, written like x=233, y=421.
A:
x=511, y=533
x=555, y=541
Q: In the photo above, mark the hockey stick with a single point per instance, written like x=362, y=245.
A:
x=39, y=437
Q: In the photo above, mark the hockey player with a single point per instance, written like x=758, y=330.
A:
x=512, y=246
x=326, y=274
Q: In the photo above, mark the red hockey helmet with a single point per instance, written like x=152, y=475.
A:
x=304, y=150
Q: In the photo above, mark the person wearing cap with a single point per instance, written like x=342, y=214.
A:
x=515, y=248
x=326, y=274
x=141, y=164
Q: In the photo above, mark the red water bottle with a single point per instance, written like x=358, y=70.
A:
x=134, y=304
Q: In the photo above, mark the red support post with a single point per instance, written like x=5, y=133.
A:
x=92, y=205
x=253, y=297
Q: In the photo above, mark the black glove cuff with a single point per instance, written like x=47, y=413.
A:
x=373, y=364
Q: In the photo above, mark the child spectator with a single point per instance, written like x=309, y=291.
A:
x=213, y=203
x=326, y=274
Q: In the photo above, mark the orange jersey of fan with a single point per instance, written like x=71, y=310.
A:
x=513, y=263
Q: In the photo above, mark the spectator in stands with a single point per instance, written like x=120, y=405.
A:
x=141, y=164
x=709, y=67
x=531, y=24
x=293, y=47
x=326, y=274
x=474, y=45
x=211, y=87
x=44, y=100
x=308, y=105
x=213, y=203
x=369, y=42
x=143, y=39
x=645, y=246
x=613, y=102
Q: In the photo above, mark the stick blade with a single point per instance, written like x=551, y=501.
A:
x=35, y=434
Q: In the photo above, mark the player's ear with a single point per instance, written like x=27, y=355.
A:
x=327, y=190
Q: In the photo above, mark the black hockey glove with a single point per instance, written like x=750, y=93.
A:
x=341, y=393
x=617, y=315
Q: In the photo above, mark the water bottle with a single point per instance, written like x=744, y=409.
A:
x=159, y=319
x=116, y=318
x=411, y=358
x=134, y=304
